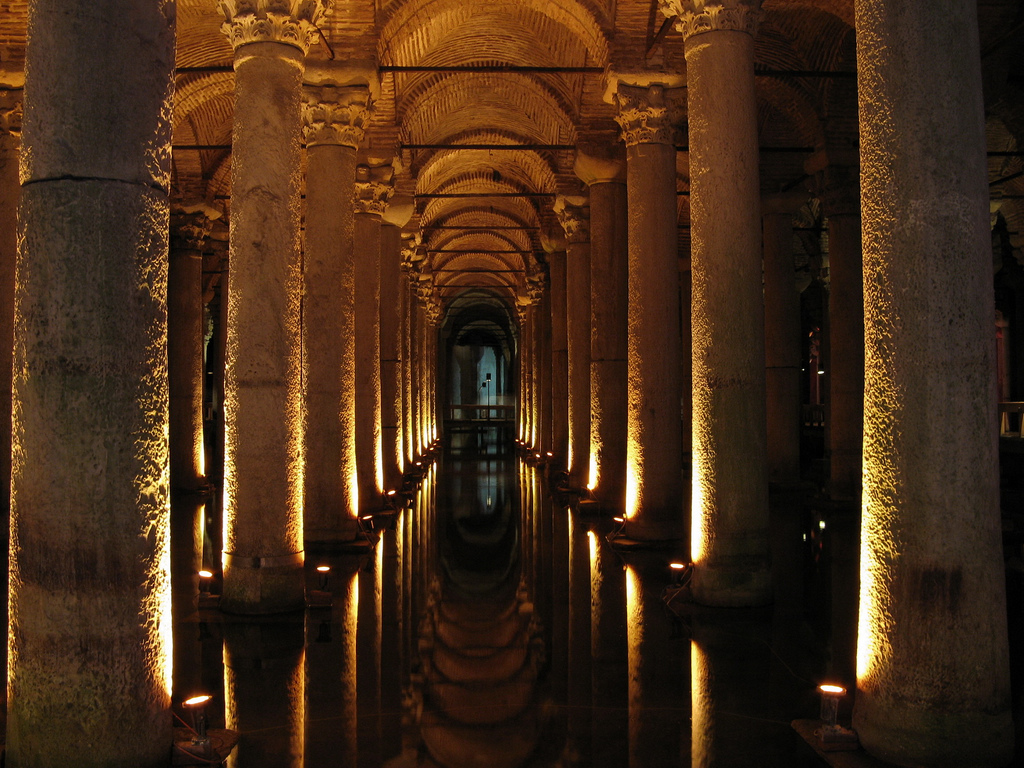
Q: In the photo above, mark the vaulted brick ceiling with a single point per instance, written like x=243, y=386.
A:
x=562, y=50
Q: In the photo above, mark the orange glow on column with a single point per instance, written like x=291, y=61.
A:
x=698, y=527
x=594, y=473
x=632, y=482
x=876, y=550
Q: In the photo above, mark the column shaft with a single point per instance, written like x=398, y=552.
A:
x=263, y=550
x=782, y=349
x=390, y=342
x=654, y=449
x=729, y=540
x=932, y=661
x=559, y=356
x=609, y=307
x=89, y=583
x=328, y=325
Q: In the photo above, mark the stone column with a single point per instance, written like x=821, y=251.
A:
x=555, y=248
x=373, y=190
x=836, y=179
x=396, y=216
x=604, y=174
x=932, y=658
x=189, y=229
x=263, y=549
x=574, y=215
x=782, y=340
x=336, y=105
x=654, y=510
x=729, y=539
x=10, y=193
x=89, y=633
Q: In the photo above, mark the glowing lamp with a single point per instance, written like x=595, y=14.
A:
x=821, y=525
x=676, y=566
x=204, y=581
x=324, y=571
x=830, y=696
x=196, y=706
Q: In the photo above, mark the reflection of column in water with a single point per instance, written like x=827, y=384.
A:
x=559, y=647
x=703, y=705
x=730, y=665
x=542, y=595
x=331, y=677
x=368, y=641
x=186, y=560
x=264, y=693
x=608, y=652
x=579, y=637
x=658, y=712
x=408, y=617
x=391, y=639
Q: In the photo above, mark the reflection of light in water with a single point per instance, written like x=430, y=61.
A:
x=702, y=704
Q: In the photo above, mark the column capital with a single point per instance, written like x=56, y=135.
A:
x=694, y=17
x=600, y=164
x=573, y=212
x=536, y=282
x=649, y=114
x=191, y=225
x=836, y=174
x=335, y=115
x=374, y=188
x=293, y=22
x=11, y=112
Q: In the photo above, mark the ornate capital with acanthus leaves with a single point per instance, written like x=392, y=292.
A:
x=573, y=214
x=696, y=16
x=189, y=230
x=293, y=22
x=335, y=115
x=10, y=117
x=649, y=114
x=374, y=187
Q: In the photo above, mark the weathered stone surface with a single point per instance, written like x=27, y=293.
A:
x=126, y=138
x=90, y=546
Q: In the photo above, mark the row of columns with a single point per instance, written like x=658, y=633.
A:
x=742, y=280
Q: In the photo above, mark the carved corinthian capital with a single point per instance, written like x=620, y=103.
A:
x=10, y=117
x=697, y=16
x=189, y=229
x=333, y=115
x=293, y=22
x=374, y=188
x=573, y=214
x=649, y=114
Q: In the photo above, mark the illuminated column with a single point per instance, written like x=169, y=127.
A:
x=90, y=623
x=932, y=655
x=544, y=433
x=336, y=104
x=263, y=552
x=408, y=440
x=574, y=216
x=729, y=539
x=10, y=193
x=555, y=248
x=373, y=190
x=836, y=176
x=395, y=217
x=647, y=116
x=604, y=174
x=782, y=341
x=189, y=230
